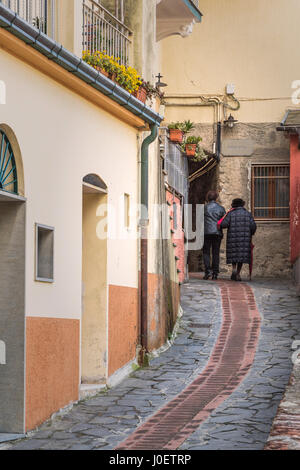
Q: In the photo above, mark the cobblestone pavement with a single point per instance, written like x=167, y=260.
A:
x=242, y=421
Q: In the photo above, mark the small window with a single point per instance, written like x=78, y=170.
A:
x=271, y=192
x=44, y=253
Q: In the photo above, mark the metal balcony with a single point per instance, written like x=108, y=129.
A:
x=102, y=31
x=39, y=13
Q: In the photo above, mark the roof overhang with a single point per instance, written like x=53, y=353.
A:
x=291, y=123
x=176, y=17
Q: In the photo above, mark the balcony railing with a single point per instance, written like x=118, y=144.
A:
x=102, y=31
x=39, y=13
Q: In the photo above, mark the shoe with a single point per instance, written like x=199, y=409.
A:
x=238, y=278
x=207, y=276
x=215, y=277
x=234, y=276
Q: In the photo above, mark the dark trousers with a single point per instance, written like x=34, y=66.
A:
x=212, y=243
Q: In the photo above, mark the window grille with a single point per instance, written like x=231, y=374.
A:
x=39, y=13
x=102, y=31
x=175, y=165
x=271, y=191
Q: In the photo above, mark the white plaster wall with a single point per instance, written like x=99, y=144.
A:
x=62, y=138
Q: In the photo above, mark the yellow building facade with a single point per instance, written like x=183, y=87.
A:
x=240, y=62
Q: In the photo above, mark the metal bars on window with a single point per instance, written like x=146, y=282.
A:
x=39, y=13
x=175, y=165
x=103, y=32
x=271, y=191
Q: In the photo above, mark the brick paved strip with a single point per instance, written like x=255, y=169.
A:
x=228, y=365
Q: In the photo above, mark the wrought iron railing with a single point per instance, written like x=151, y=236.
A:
x=102, y=31
x=39, y=13
x=175, y=165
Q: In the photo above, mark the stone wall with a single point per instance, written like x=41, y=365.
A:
x=242, y=146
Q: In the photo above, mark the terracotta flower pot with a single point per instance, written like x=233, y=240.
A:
x=141, y=94
x=190, y=150
x=102, y=71
x=176, y=135
x=112, y=76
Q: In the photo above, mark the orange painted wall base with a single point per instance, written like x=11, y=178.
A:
x=163, y=304
x=52, y=367
x=123, y=326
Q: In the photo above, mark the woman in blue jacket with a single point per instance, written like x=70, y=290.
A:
x=213, y=212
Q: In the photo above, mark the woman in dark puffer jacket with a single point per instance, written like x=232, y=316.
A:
x=241, y=227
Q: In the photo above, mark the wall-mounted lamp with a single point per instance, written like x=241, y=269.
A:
x=230, y=122
x=160, y=84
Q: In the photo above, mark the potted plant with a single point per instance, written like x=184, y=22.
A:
x=126, y=77
x=187, y=126
x=141, y=93
x=97, y=60
x=151, y=92
x=175, y=132
x=200, y=155
x=191, y=145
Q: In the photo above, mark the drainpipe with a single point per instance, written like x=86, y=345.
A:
x=219, y=137
x=144, y=222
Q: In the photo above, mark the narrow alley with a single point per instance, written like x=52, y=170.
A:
x=218, y=387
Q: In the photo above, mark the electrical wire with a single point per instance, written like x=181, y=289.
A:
x=204, y=172
x=201, y=171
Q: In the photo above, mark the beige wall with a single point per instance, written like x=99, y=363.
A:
x=255, y=46
x=63, y=139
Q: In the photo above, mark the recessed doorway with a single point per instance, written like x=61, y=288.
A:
x=94, y=283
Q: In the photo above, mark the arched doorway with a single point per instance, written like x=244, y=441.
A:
x=94, y=283
x=12, y=285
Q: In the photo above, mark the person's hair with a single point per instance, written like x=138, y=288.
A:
x=212, y=196
x=238, y=203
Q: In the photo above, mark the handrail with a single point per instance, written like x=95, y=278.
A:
x=111, y=25
x=98, y=5
x=39, y=13
x=102, y=31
